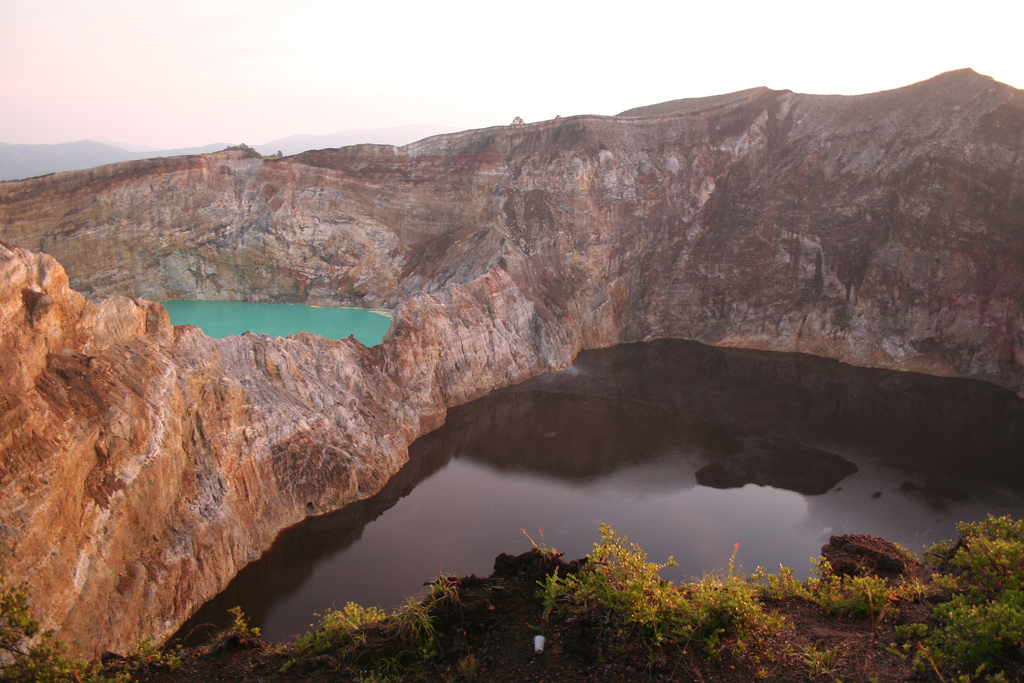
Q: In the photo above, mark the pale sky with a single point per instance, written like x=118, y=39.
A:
x=179, y=73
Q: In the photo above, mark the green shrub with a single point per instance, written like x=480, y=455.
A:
x=982, y=619
x=148, y=657
x=338, y=629
x=989, y=560
x=818, y=662
x=618, y=579
x=28, y=654
x=854, y=596
x=250, y=152
x=779, y=586
x=411, y=627
x=981, y=633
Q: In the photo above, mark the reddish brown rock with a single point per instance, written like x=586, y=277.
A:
x=855, y=555
x=881, y=229
x=142, y=465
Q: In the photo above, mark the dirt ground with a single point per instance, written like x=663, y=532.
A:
x=488, y=635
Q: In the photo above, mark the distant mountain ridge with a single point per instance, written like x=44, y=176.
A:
x=27, y=161
x=398, y=136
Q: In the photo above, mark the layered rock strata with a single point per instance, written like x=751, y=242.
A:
x=142, y=464
x=145, y=464
x=881, y=229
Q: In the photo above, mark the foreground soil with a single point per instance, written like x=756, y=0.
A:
x=488, y=635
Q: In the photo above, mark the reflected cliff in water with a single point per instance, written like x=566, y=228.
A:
x=685, y=448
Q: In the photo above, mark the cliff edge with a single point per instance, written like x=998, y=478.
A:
x=882, y=229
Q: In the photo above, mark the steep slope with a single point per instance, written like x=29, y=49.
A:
x=883, y=229
x=144, y=465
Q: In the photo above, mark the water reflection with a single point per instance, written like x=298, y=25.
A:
x=685, y=448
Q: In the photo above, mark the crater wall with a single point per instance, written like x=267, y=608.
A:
x=883, y=230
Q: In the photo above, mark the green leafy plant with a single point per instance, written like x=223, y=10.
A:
x=240, y=625
x=339, y=629
x=983, y=616
x=779, y=586
x=982, y=633
x=149, y=656
x=855, y=596
x=618, y=579
x=343, y=629
x=415, y=625
x=468, y=666
x=819, y=662
x=988, y=561
x=239, y=635
x=411, y=626
x=28, y=654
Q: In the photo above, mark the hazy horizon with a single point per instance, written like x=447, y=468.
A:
x=387, y=132
x=194, y=73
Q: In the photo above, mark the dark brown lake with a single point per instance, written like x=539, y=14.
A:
x=684, y=448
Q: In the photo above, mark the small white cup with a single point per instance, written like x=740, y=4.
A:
x=538, y=644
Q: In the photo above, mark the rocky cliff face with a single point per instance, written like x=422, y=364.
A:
x=144, y=465
x=883, y=229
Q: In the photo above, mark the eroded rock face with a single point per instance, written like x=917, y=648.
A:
x=144, y=465
x=881, y=230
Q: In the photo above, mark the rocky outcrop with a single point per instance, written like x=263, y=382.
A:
x=144, y=465
x=856, y=555
x=883, y=230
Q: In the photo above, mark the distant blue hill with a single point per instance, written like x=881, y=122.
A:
x=27, y=161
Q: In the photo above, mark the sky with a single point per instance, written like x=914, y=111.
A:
x=193, y=72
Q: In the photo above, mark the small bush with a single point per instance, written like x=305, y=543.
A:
x=982, y=633
x=250, y=152
x=28, y=654
x=618, y=579
x=983, y=617
x=339, y=630
x=818, y=661
x=779, y=586
x=411, y=628
x=240, y=625
x=989, y=560
x=854, y=596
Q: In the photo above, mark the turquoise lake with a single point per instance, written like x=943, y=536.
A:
x=224, y=318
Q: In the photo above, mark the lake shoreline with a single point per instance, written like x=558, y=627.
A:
x=631, y=436
x=485, y=628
